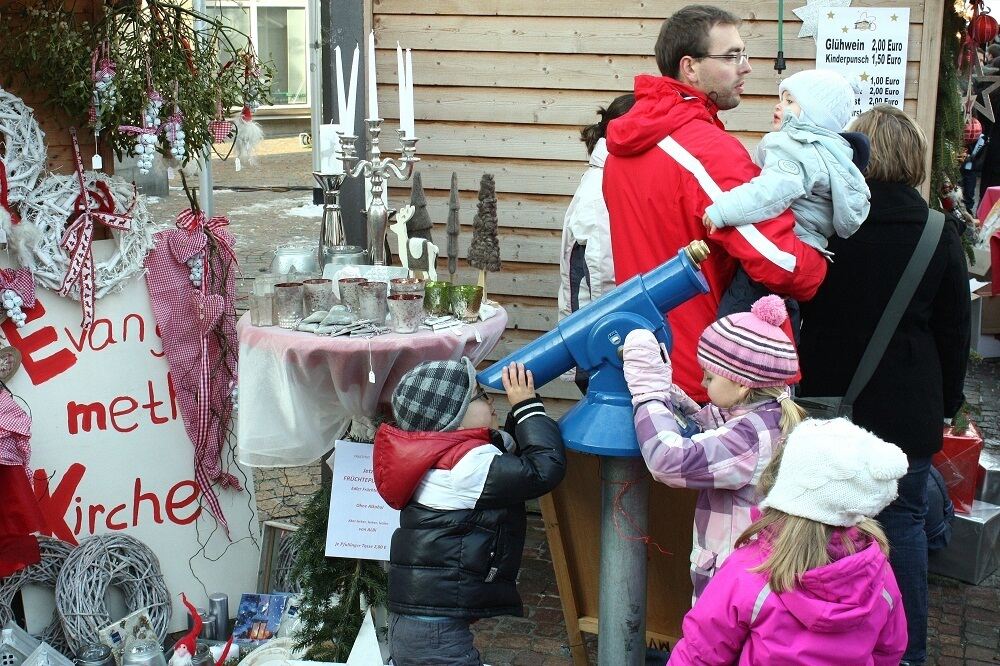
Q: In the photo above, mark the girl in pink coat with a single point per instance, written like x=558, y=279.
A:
x=809, y=583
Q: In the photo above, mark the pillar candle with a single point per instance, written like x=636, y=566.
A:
x=409, y=129
x=329, y=161
x=348, y=125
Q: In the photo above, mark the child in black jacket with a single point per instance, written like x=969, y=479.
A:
x=461, y=487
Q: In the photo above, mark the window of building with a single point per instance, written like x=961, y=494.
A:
x=277, y=29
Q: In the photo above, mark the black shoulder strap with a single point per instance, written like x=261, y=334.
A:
x=898, y=303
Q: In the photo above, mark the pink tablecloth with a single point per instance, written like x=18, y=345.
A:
x=299, y=392
x=991, y=196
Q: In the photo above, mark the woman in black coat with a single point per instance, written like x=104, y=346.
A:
x=919, y=381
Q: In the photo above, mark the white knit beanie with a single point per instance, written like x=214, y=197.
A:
x=826, y=98
x=835, y=473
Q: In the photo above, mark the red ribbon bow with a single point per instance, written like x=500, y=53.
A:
x=14, y=219
x=77, y=240
x=194, y=220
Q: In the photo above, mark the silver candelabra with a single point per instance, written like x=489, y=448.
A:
x=331, y=230
x=377, y=169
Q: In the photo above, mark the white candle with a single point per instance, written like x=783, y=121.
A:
x=329, y=162
x=348, y=125
x=410, y=131
x=401, y=75
x=341, y=100
x=372, y=92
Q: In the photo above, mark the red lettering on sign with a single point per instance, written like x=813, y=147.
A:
x=82, y=416
x=88, y=416
x=137, y=497
x=95, y=509
x=111, y=515
x=115, y=412
x=53, y=506
x=40, y=370
x=109, y=337
x=173, y=503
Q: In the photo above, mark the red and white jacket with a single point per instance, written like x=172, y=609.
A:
x=668, y=157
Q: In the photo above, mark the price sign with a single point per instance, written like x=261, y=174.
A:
x=868, y=46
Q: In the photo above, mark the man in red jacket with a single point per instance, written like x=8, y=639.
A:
x=670, y=155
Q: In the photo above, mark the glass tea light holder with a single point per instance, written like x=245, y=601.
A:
x=465, y=302
x=349, y=291
x=288, y=303
x=406, y=312
x=318, y=294
x=262, y=299
x=406, y=286
x=372, y=303
x=437, y=297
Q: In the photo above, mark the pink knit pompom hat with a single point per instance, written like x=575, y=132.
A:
x=749, y=348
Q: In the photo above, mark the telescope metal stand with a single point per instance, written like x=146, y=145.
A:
x=622, y=601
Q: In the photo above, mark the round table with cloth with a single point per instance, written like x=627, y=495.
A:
x=299, y=392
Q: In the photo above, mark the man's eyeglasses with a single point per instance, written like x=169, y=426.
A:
x=737, y=59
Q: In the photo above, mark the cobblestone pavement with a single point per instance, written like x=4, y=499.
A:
x=964, y=624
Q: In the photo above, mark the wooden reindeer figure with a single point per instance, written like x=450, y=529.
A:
x=415, y=254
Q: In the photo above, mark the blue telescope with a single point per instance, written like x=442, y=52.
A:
x=591, y=339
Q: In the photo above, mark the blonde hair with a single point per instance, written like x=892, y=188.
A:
x=797, y=545
x=898, y=145
x=791, y=416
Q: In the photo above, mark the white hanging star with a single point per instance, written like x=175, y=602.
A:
x=814, y=11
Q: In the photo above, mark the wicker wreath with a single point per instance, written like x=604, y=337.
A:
x=43, y=573
x=47, y=209
x=23, y=144
x=97, y=563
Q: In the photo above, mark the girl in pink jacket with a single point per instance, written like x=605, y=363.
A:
x=809, y=583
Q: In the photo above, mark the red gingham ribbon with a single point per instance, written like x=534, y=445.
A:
x=207, y=468
x=220, y=130
x=20, y=281
x=78, y=237
x=132, y=129
x=14, y=219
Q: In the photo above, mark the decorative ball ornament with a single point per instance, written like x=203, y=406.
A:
x=49, y=207
x=983, y=28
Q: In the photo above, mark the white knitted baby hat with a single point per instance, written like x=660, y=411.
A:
x=826, y=98
x=836, y=473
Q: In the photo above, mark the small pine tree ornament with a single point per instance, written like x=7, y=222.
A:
x=453, y=228
x=419, y=225
x=484, y=251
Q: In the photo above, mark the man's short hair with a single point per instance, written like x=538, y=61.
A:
x=685, y=33
x=898, y=145
x=993, y=50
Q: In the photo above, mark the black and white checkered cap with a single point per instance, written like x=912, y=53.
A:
x=434, y=396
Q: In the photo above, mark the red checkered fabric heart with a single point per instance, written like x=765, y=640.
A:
x=185, y=244
x=207, y=310
x=221, y=130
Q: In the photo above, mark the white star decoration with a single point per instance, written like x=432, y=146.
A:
x=813, y=11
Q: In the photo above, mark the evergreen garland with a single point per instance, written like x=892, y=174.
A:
x=329, y=629
x=950, y=123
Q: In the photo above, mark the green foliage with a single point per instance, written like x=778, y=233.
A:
x=948, y=129
x=328, y=630
x=151, y=42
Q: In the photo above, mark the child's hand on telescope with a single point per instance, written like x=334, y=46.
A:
x=518, y=383
x=646, y=366
x=709, y=225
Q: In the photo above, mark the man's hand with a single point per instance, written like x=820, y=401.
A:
x=646, y=365
x=518, y=383
x=709, y=225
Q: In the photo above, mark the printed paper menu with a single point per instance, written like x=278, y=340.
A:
x=360, y=522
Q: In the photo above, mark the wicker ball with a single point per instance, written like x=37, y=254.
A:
x=23, y=147
x=44, y=573
x=98, y=563
x=48, y=208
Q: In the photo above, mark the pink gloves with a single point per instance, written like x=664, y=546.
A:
x=647, y=374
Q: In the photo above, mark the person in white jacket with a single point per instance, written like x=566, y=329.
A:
x=586, y=267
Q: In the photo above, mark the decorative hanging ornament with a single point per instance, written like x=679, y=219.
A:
x=145, y=146
x=104, y=96
x=983, y=28
x=249, y=135
x=17, y=293
x=810, y=14
x=174, y=131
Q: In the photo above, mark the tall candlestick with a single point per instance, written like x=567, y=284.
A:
x=409, y=129
x=348, y=125
x=372, y=91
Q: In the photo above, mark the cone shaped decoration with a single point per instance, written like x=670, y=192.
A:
x=420, y=225
x=453, y=227
x=484, y=251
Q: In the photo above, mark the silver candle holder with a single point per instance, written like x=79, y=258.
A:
x=331, y=230
x=377, y=170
